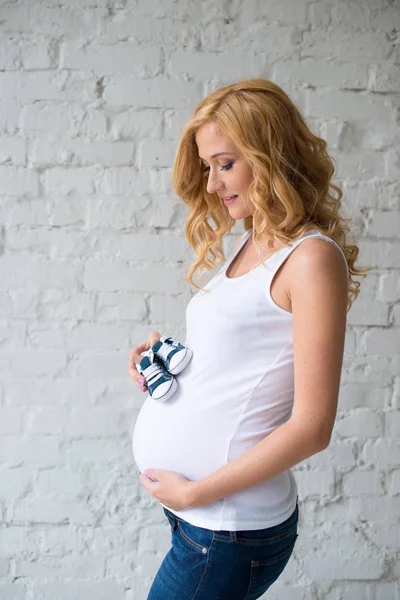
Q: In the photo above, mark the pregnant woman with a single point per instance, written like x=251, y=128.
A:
x=267, y=335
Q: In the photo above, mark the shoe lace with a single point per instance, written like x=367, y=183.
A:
x=165, y=349
x=153, y=372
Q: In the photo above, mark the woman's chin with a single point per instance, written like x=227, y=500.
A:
x=238, y=212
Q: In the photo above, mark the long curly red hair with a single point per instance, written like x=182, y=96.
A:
x=291, y=189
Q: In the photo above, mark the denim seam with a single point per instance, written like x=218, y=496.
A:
x=257, y=563
x=268, y=541
x=262, y=562
x=250, y=583
x=189, y=540
x=204, y=571
x=255, y=541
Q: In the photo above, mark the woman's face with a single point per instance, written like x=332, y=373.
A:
x=227, y=174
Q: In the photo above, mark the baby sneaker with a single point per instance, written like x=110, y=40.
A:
x=172, y=354
x=160, y=384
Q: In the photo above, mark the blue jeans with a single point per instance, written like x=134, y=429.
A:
x=204, y=564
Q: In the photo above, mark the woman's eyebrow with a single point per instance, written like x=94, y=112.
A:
x=218, y=154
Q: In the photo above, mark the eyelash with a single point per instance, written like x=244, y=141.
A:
x=223, y=168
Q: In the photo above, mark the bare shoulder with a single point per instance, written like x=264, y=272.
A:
x=316, y=258
x=315, y=264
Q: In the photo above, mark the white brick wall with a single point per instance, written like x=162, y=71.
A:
x=93, y=96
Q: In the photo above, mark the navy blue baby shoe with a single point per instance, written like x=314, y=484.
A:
x=161, y=385
x=172, y=354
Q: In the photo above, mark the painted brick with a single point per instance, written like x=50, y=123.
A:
x=108, y=59
x=363, y=483
x=94, y=96
x=16, y=181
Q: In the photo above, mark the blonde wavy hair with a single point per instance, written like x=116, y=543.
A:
x=291, y=188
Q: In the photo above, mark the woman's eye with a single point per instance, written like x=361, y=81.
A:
x=223, y=167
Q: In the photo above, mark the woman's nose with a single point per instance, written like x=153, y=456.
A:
x=213, y=183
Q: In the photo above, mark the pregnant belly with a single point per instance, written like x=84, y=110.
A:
x=179, y=437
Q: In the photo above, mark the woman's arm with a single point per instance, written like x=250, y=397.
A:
x=318, y=292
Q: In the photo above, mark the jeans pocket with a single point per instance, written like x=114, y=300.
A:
x=198, y=538
x=264, y=571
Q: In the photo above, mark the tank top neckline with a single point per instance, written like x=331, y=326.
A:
x=238, y=249
x=309, y=233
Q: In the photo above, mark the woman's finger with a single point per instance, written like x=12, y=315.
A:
x=135, y=356
x=153, y=338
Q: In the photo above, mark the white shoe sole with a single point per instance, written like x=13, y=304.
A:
x=162, y=397
x=183, y=363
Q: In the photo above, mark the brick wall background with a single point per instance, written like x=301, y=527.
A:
x=93, y=96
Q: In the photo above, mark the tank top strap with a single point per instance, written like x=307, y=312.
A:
x=281, y=255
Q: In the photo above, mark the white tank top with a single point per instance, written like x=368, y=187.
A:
x=238, y=388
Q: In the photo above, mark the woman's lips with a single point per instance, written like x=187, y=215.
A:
x=231, y=201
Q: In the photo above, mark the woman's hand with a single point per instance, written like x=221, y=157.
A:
x=170, y=488
x=135, y=358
